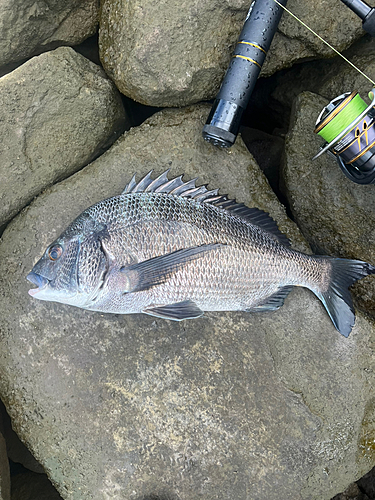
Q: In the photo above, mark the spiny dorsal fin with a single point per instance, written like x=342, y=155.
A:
x=177, y=187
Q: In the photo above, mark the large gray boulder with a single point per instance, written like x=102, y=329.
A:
x=58, y=112
x=329, y=78
x=336, y=215
x=236, y=405
x=175, y=53
x=28, y=27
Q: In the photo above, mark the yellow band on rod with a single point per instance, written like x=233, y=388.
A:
x=254, y=45
x=248, y=59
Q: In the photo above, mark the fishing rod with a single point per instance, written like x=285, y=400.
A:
x=260, y=25
x=347, y=123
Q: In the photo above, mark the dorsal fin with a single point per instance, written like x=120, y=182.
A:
x=178, y=187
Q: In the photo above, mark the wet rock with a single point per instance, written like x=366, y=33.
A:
x=173, y=54
x=32, y=486
x=336, y=215
x=4, y=466
x=29, y=27
x=59, y=111
x=267, y=406
x=329, y=78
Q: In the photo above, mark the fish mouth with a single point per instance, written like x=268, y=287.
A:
x=39, y=281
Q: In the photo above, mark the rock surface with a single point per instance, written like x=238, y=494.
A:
x=236, y=405
x=29, y=27
x=336, y=215
x=175, y=53
x=329, y=78
x=59, y=111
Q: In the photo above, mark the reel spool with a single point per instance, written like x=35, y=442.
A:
x=347, y=124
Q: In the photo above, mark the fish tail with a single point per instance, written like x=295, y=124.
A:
x=336, y=298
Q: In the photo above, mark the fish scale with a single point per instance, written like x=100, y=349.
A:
x=162, y=223
x=169, y=249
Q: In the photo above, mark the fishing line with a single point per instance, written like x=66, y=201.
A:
x=347, y=123
x=324, y=41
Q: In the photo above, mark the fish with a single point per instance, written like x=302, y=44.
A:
x=170, y=249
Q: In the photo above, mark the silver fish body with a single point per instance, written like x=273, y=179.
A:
x=169, y=249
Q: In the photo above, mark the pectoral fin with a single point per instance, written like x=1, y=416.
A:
x=152, y=272
x=176, y=312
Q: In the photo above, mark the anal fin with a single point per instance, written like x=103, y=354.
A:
x=274, y=301
x=176, y=312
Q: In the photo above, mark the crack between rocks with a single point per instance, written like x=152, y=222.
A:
x=297, y=392
x=55, y=30
x=28, y=122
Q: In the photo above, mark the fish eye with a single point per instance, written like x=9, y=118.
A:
x=55, y=252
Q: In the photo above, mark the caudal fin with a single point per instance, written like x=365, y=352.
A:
x=337, y=299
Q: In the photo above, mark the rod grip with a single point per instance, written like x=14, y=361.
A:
x=224, y=120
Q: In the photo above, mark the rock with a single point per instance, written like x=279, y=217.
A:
x=336, y=215
x=32, y=486
x=267, y=406
x=4, y=466
x=59, y=111
x=29, y=27
x=335, y=23
x=329, y=78
x=173, y=54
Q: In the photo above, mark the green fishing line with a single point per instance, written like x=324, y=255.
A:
x=349, y=113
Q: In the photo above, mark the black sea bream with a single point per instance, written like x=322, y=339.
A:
x=170, y=249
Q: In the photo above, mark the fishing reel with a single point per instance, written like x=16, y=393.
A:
x=347, y=124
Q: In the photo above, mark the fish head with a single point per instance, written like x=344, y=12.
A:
x=57, y=273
